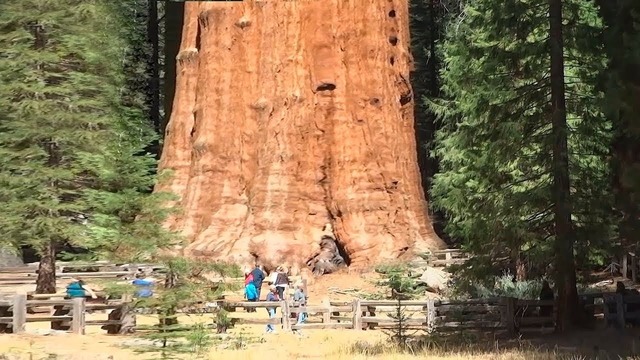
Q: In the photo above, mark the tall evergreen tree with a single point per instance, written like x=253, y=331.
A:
x=57, y=97
x=621, y=84
x=428, y=21
x=125, y=215
x=496, y=145
x=69, y=134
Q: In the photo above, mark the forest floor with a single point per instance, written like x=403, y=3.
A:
x=249, y=342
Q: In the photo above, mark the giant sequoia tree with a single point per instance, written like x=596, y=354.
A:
x=293, y=120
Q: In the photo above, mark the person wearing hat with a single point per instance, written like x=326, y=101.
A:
x=282, y=281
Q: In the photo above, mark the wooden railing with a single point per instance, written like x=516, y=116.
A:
x=507, y=314
x=68, y=314
x=493, y=314
x=618, y=309
x=442, y=258
x=629, y=266
x=26, y=275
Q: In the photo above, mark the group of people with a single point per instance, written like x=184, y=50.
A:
x=279, y=284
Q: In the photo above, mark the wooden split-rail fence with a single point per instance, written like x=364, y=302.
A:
x=442, y=258
x=630, y=266
x=67, y=314
x=27, y=274
x=494, y=314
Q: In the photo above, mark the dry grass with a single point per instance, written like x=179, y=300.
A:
x=249, y=343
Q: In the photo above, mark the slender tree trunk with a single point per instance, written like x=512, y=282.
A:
x=521, y=269
x=46, y=281
x=564, y=259
x=293, y=120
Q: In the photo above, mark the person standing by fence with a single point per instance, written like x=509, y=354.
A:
x=143, y=286
x=250, y=291
x=300, y=298
x=258, y=278
x=281, y=282
x=301, y=301
x=272, y=296
x=78, y=289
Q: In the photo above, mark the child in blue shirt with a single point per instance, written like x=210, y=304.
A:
x=272, y=296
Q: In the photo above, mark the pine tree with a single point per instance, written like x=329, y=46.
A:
x=620, y=83
x=125, y=215
x=73, y=169
x=58, y=92
x=496, y=142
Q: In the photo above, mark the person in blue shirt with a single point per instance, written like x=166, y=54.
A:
x=301, y=300
x=272, y=296
x=143, y=286
x=78, y=289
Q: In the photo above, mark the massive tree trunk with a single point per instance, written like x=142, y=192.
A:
x=292, y=120
x=564, y=259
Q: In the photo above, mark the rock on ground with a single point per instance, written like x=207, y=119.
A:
x=436, y=279
x=9, y=257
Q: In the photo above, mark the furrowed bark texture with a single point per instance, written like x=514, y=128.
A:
x=567, y=302
x=293, y=120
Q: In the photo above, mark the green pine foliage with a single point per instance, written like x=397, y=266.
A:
x=185, y=288
x=73, y=169
x=495, y=146
x=58, y=96
x=620, y=85
x=125, y=214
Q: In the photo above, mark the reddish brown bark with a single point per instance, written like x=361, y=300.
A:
x=291, y=115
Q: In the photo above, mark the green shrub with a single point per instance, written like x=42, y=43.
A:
x=504, y=285
x=396, y=278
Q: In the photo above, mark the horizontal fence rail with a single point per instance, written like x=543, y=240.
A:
x=493, y=314
x=68, y=314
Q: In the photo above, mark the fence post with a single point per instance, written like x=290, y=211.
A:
x=19, y=313
x=127, y=315
x=286, y=315
x=508, y=314
x=431, y=315
x=77, y=316
x=326, y=315
x=620, y=310
x=634, y=268
x=357, y=315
